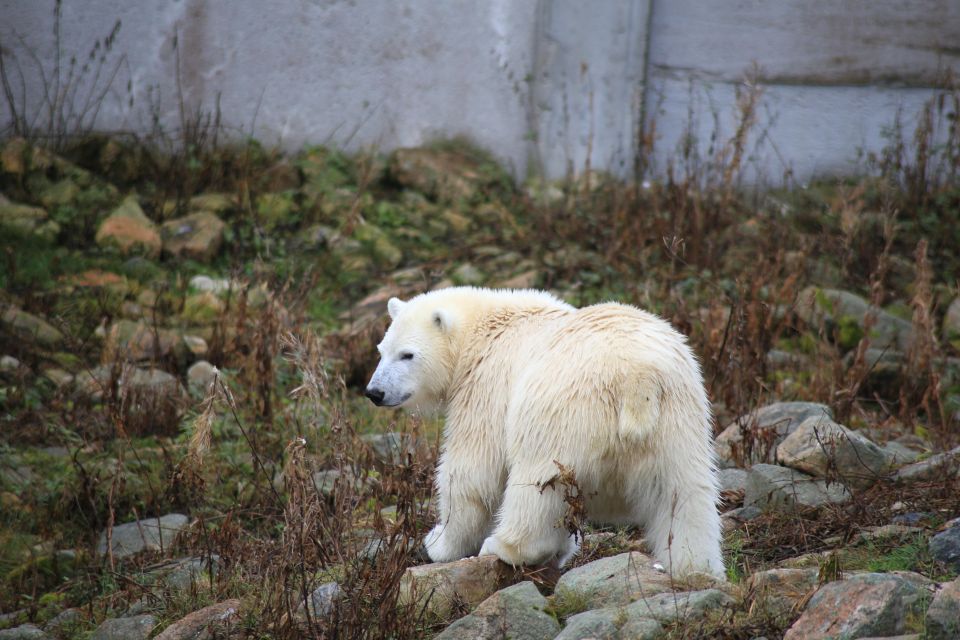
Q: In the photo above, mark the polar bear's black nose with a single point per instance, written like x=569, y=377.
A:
x=376, y=395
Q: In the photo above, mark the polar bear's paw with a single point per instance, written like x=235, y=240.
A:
x=531, y=554
x=438, y=546
x=493, y=547
x=508, y=553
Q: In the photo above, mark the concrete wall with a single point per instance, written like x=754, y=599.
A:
x=548, y=85
x=833, y=75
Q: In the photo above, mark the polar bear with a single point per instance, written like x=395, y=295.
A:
x=527, y=381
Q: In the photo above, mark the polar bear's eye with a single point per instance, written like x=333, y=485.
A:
x=406, y=355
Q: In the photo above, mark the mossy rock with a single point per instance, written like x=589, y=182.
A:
x=128, y=230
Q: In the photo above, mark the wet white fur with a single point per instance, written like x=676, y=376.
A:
x=609, y=391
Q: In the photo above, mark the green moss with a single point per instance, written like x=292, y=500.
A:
x=568, y=602
x=849, y=332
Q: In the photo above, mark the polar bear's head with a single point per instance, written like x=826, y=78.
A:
x=415, y=355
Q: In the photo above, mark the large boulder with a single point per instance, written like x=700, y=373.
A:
x=772, y=487
x=197, y=236
x=30, y=327
x=871, y=604
x=951, y=323
x=320, y=603
x=754, y=436
x=128, y=230
x=642, y=618
x=781, y=589
x=936, y=466
x=132, y=628
x=848, y=313
x=514, y=612
x=28, y=220
x=821, y=447
x=150, y=534
x=945, y=546
x=943, y=616
x=614, y=580
x=210, y=622
x=24, y=632
x=443, y=586
x=139, y=342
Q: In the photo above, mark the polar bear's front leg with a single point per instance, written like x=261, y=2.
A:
x=465, y=495
x=530, y=529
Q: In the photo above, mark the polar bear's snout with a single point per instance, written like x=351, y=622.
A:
x=375, y=395
x=390, y=385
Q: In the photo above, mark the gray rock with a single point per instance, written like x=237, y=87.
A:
x=860, y=606
x=132, y=628
x=782, y=588
x=24, y=632
x=320, y=602
x=913, y=518
x=140, y=341
x=151, y=534
x=443, y=586
x=181, y=574
x=772, y=486
x=945, y=546
x=936, y=466
x=634, y=620
x=833, y=307
x=468, y=274
x=207, y=623
x=768, y=426
x=668, y=607
x=900, y=454
x=888, y=531
x=213, y=285
x=63, y=621
x=819, y=445
x=735, y=518
x=601, y=625
x=515, y=612
x=10, y=619
x=197, y=236
x=326, y=481
x=614, y=580
x=777, y=359
x=732, y=479
x=393, y=448
x=62, y=379
x=9, y=364
x=196, y=345
x=199, y=376
x=943, y=616
x=30, y=327
x=951, y=321
x=884, y=366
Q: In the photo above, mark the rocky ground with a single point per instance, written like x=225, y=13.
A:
x=185, y=452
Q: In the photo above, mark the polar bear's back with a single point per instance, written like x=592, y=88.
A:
x=602, y=341
x=600, y=371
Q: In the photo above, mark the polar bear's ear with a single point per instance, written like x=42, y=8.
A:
x=442, y=320
x=394, y=306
